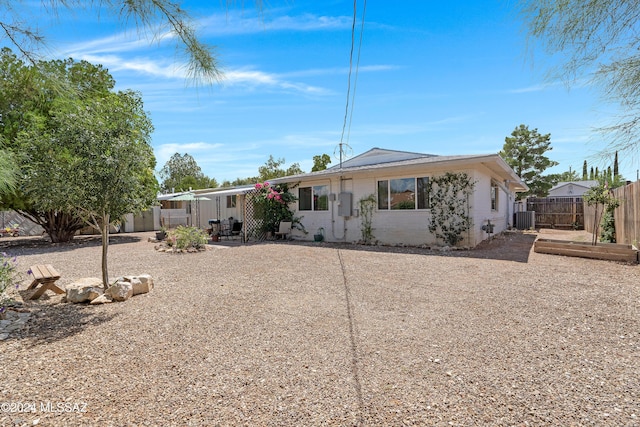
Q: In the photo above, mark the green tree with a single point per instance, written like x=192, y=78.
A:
x=596, y=41
x=181, y=172
x=155, y=16
x=566, y=176
x=602, y=199
x=8, y=172
x=272, y=169
x=106, y=140
x=525, y=152
x=320, y=162
x=616, y=169
x=585, y=174
x=31, y=100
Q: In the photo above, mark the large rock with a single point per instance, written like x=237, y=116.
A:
x=141, y=284
x=85, y=289
x=120, y=291
x=102, y=299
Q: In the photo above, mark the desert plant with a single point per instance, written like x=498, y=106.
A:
x=8, y=278
x=187, y=237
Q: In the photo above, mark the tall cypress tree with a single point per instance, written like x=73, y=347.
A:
x=592, y=176
x=616, y=172
x=584, y=171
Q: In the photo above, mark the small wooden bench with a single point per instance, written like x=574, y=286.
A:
x=47, y=276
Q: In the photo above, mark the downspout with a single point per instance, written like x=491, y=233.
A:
x=333, y=216
x=509, y=202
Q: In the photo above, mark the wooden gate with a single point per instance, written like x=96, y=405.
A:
x=557, y=212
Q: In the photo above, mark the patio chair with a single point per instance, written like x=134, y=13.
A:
x=236, y=230
x=284, y=229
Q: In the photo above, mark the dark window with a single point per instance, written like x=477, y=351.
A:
x=304, y=198
x=313, y=198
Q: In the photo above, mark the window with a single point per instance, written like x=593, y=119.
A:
x=314, y=198
x=383, y=194
x=403, y=193
x=231, y=201
x=494, y=196
x=423, y=192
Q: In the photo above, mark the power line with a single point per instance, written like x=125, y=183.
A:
x=348, y=114
x=355, y=82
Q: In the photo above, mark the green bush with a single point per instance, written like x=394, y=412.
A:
x=187, y=237
x=608, y=228
x=8, y=278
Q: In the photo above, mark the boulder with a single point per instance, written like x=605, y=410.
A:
x=120, y=291
x=141, y=284
x=102, y=299
x=85, y=289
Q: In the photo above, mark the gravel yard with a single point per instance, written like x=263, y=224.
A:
x=293, y=334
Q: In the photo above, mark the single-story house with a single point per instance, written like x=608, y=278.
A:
x=329, y=199
x=571, y=188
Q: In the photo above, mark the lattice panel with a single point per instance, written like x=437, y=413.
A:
x=253, y=225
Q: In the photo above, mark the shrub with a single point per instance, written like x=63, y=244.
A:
x=8, y=278
x=187, y=237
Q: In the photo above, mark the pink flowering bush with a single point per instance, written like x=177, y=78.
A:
x=272, y=205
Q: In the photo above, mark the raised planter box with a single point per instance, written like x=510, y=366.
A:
x=605, y=251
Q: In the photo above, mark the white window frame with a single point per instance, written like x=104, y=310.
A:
x=314, y=202
x=494, y=196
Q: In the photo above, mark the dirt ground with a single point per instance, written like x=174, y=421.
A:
x=291, y=333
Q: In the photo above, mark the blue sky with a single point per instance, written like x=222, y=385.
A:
x=433, y=77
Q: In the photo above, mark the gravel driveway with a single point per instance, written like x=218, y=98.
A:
x=292, y=334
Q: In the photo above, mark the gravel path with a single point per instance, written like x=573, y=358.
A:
x=292, y=334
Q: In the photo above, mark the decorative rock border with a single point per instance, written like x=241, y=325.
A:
x=89, y=289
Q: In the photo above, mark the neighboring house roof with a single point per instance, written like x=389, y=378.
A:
x=241, y=189
x=380, y=159
x=583, y=184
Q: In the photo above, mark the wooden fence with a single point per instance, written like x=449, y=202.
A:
x=627, y=216
x=557, y=212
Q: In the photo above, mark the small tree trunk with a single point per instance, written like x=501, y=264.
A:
x=105, y=247
x=596, y=226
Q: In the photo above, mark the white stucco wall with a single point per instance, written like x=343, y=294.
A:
x=501, y=218
x=408, y=227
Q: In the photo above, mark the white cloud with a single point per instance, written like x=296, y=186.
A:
x=581, y=83
x=244, y=23
x=260, y=78
x=338, y=70
x=534, y=88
